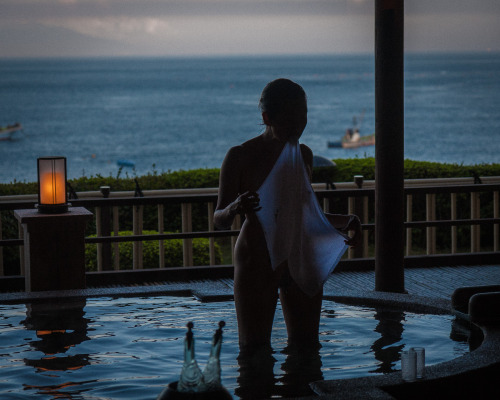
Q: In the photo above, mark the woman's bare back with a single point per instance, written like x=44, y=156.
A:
x=254, y=160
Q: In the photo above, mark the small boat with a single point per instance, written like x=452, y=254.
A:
x=354, y=141
x=352, y=137
x=6, y=132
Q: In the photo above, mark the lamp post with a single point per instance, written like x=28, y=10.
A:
x=52, y=195
x=54, y=233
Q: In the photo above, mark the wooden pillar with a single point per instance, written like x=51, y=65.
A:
x=389, y=147
x=54, y=246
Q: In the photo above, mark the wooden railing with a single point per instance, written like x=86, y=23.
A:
x=352, y=197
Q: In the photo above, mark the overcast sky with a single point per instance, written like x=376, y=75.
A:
x=218, y=27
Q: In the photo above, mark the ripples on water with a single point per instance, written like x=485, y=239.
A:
x=130, y=348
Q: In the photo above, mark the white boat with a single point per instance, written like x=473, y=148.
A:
x=354, y=141
x=6, y=132
x=352, y=138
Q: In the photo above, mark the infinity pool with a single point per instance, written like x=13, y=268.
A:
x=130, y=348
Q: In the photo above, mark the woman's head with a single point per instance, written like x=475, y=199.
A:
x=278, y=93
x=283, y=104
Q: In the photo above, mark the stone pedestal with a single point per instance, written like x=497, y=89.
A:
x=54, y=248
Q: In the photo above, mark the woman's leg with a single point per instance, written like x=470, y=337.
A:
x=302, y=315
x=255, y=294
x=255, y=299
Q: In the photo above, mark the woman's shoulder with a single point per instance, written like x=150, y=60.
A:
x=305, y=149
x=307, y=154
x=240, y=153
x=252, y=143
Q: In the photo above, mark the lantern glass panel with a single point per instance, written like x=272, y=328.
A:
x=52, y=181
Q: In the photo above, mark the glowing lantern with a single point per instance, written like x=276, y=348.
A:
x=52, y=197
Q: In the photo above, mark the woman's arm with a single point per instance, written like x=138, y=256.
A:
x=230, y=202
x=345, y=224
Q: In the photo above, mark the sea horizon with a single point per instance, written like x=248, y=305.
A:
x=185, y=112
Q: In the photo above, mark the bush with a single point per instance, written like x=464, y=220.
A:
x=347, y=168
x=202, y=178
x=150, y=251
x=209, y=177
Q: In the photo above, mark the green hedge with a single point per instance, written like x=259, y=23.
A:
x=209, y=177
x=150, y=250
x=201, y=178
x=347, y=168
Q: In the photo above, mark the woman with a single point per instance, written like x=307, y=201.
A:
x=283, y=105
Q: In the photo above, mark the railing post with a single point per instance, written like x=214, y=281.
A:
x=103, y=228
x=351, y=206
x=98, y=231
x=211, y=227
x=138, y=219
x=365, y=232
x=187, y=226
x=326, y=204
x=116, y=245
x=475, y=230
x=22, y=263
x=389, y=150
x=430, y=215
x=454, y=228
x=106, y=230
x=496, y=226
x=409, y=218
x=161, y=229
x=356, y=206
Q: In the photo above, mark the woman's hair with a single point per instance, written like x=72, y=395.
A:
x=278, y=93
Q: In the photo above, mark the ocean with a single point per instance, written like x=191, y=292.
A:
x=183, y=113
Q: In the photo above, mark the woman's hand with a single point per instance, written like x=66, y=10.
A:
x=245, y=203
x=354, y=224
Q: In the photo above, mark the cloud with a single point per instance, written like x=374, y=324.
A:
x=453, y=32
x=31, y=10
x=35, y=9
x=165, y=27
x=451, y=7
x=154, y=27
x=113, y=28
x=218, y=35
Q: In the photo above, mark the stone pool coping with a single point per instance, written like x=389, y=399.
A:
x=473, y=375
x=469, y=375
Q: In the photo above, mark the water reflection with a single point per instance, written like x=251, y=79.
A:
x=257, y=379
x=256, y=372
x=385, y=350
x=302, y=366
x=59, y=326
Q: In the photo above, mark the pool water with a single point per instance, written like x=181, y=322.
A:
x=130, y=348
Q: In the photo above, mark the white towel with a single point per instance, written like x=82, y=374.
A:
x=295, y=227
